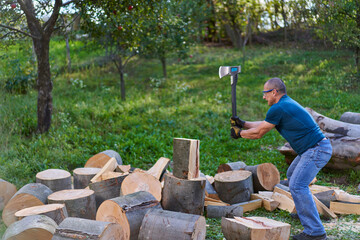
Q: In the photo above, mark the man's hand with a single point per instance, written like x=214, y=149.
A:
x=236, y=121
x=235, y=132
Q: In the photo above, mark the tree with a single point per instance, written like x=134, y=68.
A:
x=339, y=21
x=40, y=18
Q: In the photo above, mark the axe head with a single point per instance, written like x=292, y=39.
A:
x=229, y=70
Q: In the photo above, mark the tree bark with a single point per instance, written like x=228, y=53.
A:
x=231, y=166
x=224, y=211
x=350, y=117
x=99, y=160
x=163, y=64
x=68, y=56
x=82, y=176
x=56, y=212
x=55, y=179
x=7, y=190
x=186, y=158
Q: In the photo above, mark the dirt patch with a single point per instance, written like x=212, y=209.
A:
x=343, y=180
x=342, y=227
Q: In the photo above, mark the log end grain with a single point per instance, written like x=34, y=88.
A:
x=7, y=190
x=268, y=175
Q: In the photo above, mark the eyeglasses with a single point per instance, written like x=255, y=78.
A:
x=268, y=91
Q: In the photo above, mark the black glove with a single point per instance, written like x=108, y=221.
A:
x=236, y=121
x=235, y=132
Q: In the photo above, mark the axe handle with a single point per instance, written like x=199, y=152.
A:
x=233, y=94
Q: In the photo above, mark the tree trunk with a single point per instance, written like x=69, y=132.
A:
x=44, y=84
x=283, y=13
x=68, y=57
x=163, y=64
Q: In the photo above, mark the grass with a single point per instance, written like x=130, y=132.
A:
x=89, y=116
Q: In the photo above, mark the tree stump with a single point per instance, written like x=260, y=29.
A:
x=100, y=159
x=78, y=228
x=350, y=117
x=186, y=158
x=55, y=179
x=82, y=176
x=163, y=225
x=333, y=126
x=265, y=176
x=37, y=227
x=224, y=211
x=234, y=186
x=56, y=212
x=182, y=195
x=107, y=188
x=32, y=194
x=232, y=166
x=254, y=228
x=7, y=190
x=128, y=211
x=79, y=202
x=141, y=181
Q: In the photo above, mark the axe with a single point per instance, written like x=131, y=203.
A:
x=233, y=71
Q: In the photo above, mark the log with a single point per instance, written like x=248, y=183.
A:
x=78, y=228
x=325, y=197
x=79, y=202
x=214, y=202
x=265, y=176
x=7, y=190
x=209, y=189
x=124, y=168
x=182, y=195
x=99, y=160
x=224, y=211
x=56, y=212
x=350, y=117
x=333, y=126
x=318, y=188
x=234, y=186
x=268, y=203
x=159, y=168
x=285, y=203
x=345, y=207
x=55, y=179
x=231, y=166
x=250, y=205
x=346, y=152
x=32, y=194
x=141, y=181
x=254, y=228
x=186, y=158
x=110, y=166
x=346, y=197
x=177, y=226
x=82, y=176
x=128, y=211
x=107, y=188
x=37, y=227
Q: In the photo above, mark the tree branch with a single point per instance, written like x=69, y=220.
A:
x=19, y=31
x=54, y=16
x=69, y=2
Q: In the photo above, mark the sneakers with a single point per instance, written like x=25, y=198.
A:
x=304, y=236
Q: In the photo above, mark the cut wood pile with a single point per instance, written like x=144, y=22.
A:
x=344, y=136
x=108, y=200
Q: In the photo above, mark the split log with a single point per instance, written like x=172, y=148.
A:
x=7, y=190
x=267, y=194
x=99, y=160
x=37, y=227
x=318, y=188
x=224, y=211
x=56, y=212
x=285, y=203
x=78, y=228
x=325, y=197
x=186, y=158
x=231, y=166
x=82, y=176
x=107, y=188
x=182, y=195
x=346, y=152
x=110, y=166
x=124, y=168
x=254, y=228
x=333, y=126
x=250, y=205
x=159, y=168
x=79, y=202
x=345, y=207
x=55, y=179
x=32, y=194
x=283, y=187
x=177, y=226
x=141, y=181
x=268, y=203
x=265, y=176
x=350, y=117
x=234, y=186
x=209, y=189
x=214, y=202
x=322, y=209
x=128, y=211
x=346, y=197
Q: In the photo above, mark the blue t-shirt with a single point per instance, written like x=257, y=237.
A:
x=295, y=124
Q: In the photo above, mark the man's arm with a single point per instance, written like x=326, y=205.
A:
x=249, y=125
x=257, y=131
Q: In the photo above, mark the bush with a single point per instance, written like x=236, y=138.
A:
x=19, y=79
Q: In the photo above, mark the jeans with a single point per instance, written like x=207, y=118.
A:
x=300, y=173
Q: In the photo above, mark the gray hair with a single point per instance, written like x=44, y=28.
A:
x=278, y=84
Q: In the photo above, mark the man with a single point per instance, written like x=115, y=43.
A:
x=297, y=126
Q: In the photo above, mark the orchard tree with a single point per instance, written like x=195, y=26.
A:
x=35, y=19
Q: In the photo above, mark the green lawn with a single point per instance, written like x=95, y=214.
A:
x=89, y=116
